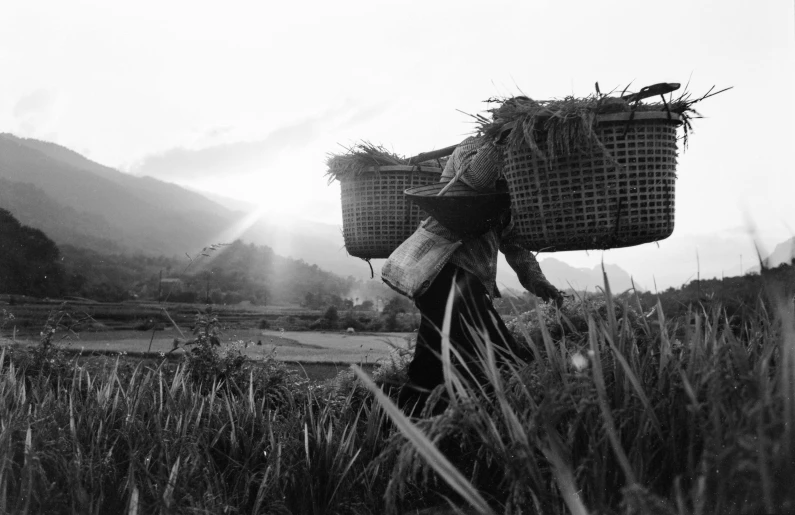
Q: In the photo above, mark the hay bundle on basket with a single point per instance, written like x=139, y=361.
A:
x=376, y=216
x=590, y=173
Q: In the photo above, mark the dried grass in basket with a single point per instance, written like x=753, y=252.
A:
x=376, y=215
x=591, y=173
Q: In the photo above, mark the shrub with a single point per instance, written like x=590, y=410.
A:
x=148, y=324
x=48, y=360
x=375, y=325
x=350, y=321
x=263, y=324
x=207, y=362
x=187, y=297
x=393, y=371
x=232, y=298
x=401, y=322
x=216, y=297
x=321, y=324
x=5, y=318
x=571, y=319
x=332, y=315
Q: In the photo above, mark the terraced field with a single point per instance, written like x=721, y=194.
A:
x=291, y=346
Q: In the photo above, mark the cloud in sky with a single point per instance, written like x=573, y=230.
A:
x=36, y=113
x=183, y=164
x=37, y=102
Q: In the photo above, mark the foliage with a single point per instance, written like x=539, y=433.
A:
x=393, y=371
x=570, y=321
x=738, y=297
x=207, y=362
x=5, y=317
x=106, y=440
x=149, y=324
x=399, y=304
x=49, y=358
x=332, y=315
x=256, y=274
x=349, y=320
x=29, y=260
x=321, y=324
x=617, y=416
x=238, y=272
x=113, y=277
x=614, y=414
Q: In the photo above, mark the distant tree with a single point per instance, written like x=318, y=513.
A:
x=188, y=297
x=398, y=304
x=29, y=260
x=217, y=297
x=232, y=298
x=366, y=305
x=332, y=315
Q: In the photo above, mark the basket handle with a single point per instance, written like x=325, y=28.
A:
x=432, y=154
x=649, y=91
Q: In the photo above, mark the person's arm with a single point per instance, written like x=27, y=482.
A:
x=527, y=269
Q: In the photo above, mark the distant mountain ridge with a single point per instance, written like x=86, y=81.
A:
x=141, y=216
x=65, y=225
x=784, y=253
x=566, y=277
x=79, y=202
x=151, y=190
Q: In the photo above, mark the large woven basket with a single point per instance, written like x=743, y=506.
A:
x=616, y=196
x=376, y=215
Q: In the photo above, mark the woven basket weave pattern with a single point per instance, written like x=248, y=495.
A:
x=592, y=201
x=376, y=215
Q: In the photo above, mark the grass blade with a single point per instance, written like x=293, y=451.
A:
x=426, y=448
x=633, y=379
x=563, y=474
x=607, y=416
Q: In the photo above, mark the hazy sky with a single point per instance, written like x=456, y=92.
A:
x=246, y=98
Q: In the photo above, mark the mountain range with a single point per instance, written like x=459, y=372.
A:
x=784, y=253
x=77, y=201
x=80, y=202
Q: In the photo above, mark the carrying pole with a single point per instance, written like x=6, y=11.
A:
x=433, y=154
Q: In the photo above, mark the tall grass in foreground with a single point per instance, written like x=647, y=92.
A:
x=95, y=444
x=615, y=413
x=621, y=417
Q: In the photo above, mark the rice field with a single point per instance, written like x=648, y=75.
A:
x=615, y=410
x=291, y=346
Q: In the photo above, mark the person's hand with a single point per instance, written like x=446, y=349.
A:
x=547, y=292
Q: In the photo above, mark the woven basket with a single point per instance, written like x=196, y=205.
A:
x=376, y=215
x=619, y=196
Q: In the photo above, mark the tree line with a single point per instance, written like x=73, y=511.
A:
x=32, y=264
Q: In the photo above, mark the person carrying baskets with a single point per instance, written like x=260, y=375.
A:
x=435, y=260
